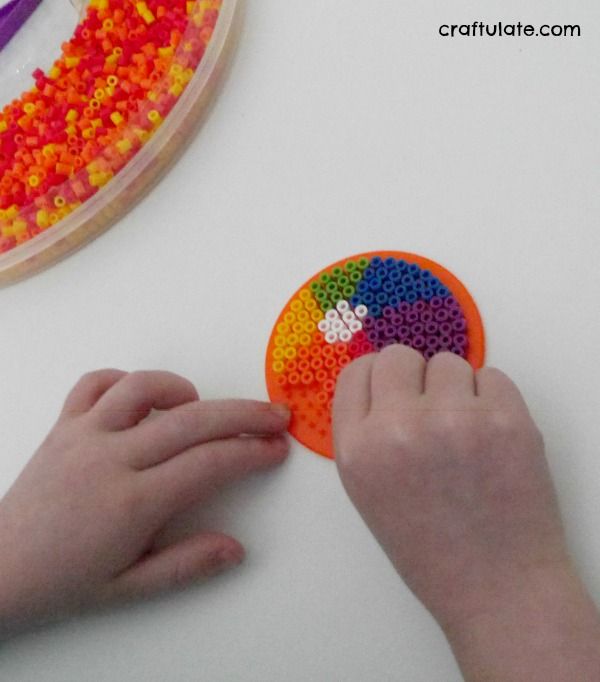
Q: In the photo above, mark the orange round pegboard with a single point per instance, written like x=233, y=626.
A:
x=360, y=305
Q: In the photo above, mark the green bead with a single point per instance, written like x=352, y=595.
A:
x=348, y=291
x=363, y=263
x=335, y=297
x=325, y=278
x=350, y=266
x=336, y=273
x=314, y=287
x=355, y=277
x=343, y=281
x=326, y=305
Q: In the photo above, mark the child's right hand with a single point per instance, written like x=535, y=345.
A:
x=448, y=470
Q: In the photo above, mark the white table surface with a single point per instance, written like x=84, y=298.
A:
x=342, y=127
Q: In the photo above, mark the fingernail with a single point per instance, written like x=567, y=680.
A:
x=282, y=409
x=230, y=558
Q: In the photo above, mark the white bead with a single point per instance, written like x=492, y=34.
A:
x=324, y=326
x=346, y=335
x=342, y=307
x=332, y=315
x=331, y=337
x=355, y=326
x=348, y=316
x=361, y=311
x=338, y=326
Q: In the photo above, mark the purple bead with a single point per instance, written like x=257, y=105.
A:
x=411, y=317
x=432, y=342
x=454, y=313
x=389, y=332
x=431, y=328
x=445, y=329
x=426, y=316
x=418, y=342
x=436, y=302
x=396, y=319
x=403, y=338
x=446, y=342
x=380, y=324
x=417, y=329
x=388, y=311
x=460, y=339
x=459, y=325
x=404, y=331
x=459, y=350
x=419, y=306
x=378, y=344
x=369, y=322
x=373, y=336
x=451, y=302
x=441, y=315
x=404, y=307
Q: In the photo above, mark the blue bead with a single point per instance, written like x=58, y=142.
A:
x=362, y=287
x=402, y=265
x=369, y=272
x=425, y=274
x=443, y=292
x=368, y=298
x=390, y=262
x=375, y=284
x=381, y=298
x=411, y=296
x=407, y=280
x=418, y=285
x=375, y=310
x=388, y=286
x=400, y=291
x=414, y=269
x=376, y=260
x=395, y=275
x=394, y=301
x=381, y=272
x=355, y=300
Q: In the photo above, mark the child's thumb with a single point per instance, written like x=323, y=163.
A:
x=195, y=558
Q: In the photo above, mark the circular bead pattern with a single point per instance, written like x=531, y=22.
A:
x=118, y=77
x=357, y=306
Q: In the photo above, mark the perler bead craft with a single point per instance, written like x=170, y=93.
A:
x=133, y=70
x=361, y=305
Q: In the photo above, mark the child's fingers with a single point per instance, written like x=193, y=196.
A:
x=495, y=388
x=132, y=398
x=89, y=389
x=449, y=377
x=199, y=422
x=181, y=564
x=187, y=478
x=352, y=399
x=397, y=377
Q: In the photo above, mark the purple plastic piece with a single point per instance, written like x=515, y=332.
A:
x=411, y=317
x=418, y=342
x=380, y=324
x=396, y=319
x=441, y=315
x=451, y=302
x=459, y=325
x=454, y=313
x=404, y=307
x=372, y=335
x=431, y=328
x=419, y=306
x=426, y=316
x=13, y=16
x=417, y=329
x=436, y=302
x=432, y=342
x=445, y=329
x=389, y=332
x=388, y=312
x=369, y=322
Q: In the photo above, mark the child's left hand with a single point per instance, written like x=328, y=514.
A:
x=77, y=529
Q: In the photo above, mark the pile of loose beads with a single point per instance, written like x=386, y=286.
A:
x=356, y=308
x=118, y=77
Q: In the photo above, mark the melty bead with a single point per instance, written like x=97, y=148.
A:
x=84, y=119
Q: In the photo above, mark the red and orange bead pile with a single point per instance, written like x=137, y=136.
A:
x=358, y=306
x=118, y=77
